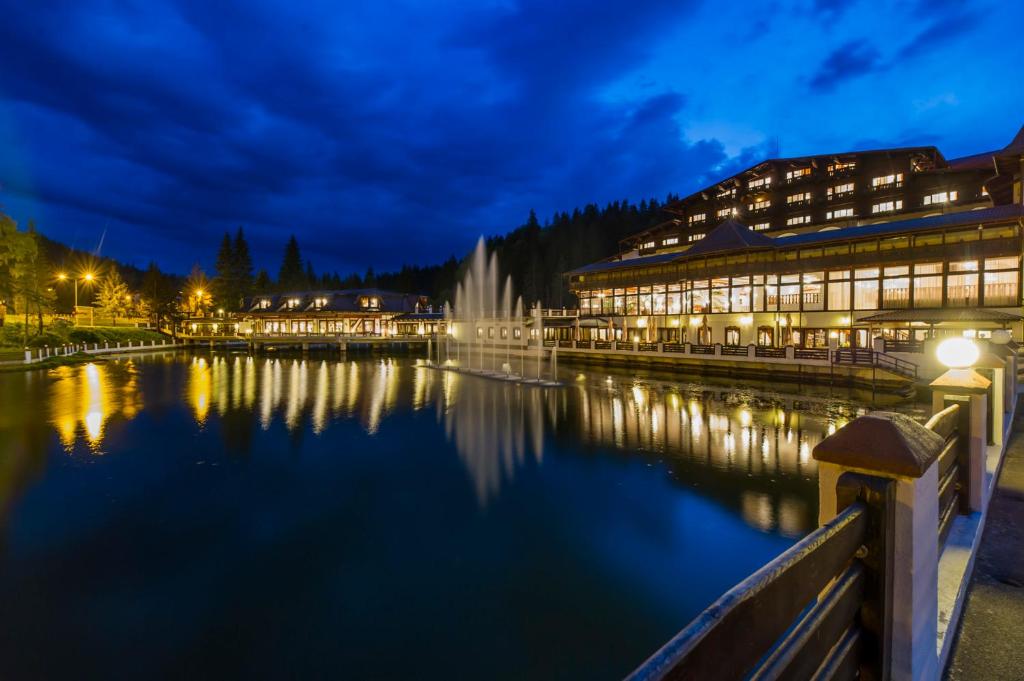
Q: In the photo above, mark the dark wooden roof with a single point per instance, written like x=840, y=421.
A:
x=939, y=315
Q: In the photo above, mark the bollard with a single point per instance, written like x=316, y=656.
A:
x=28, y=356
x=895, y=447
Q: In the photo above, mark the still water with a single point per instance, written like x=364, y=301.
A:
x=195, y=516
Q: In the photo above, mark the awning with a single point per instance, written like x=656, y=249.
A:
x=939, y=315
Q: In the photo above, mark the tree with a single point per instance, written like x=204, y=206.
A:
x=369, y=279
x=196, y=298
x=262, y=284
x=224, y=283
x=158, y=293
x=242, y=264
x=291, y=274
x=113, y=296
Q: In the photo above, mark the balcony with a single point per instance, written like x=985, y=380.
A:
x=840, y=196
x=888, y=186
x=801, y=203
x=843, y=172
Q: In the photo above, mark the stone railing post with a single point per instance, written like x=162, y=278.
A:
x=28, y=356
x=1000, y=349
x=994, y=368
x=790, y=352
x=894, y=447
x=878, y=344
x=686, y=348
x=751, y=351
x=718, y=349
x=969, y=389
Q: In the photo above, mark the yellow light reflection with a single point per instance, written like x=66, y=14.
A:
x=89, y=396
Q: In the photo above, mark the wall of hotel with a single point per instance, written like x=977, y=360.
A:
x=794, y=195
x=985, y=271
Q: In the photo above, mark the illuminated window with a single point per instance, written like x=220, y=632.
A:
x=885, y=181
x=698, y=217
x=649, y=244
x=839, y=213
x=941, y=197
x=797, y=174
x=725, y=212
x=799, y=220
x=887, y=206
x=671, y=241
x=759, y=205
x=839, y=167
x=802, y=197
x=762, y=183
x=760, y=226
x=696, y=237
x=839, y=190
x=726, y=193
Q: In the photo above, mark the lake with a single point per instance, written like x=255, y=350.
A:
x=220, y=515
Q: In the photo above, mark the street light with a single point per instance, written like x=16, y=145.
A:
x=957, y=353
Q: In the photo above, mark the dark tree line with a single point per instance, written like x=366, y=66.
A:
x=537, y=256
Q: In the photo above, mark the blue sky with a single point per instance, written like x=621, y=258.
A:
x=389, y=132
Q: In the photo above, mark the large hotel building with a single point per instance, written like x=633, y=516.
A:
x=899, y=243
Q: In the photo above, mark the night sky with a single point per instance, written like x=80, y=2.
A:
x=381, y=133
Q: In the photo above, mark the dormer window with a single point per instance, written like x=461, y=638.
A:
x=293, y=303
x=647, y=244
x=698, y=217
x=319, y=303
x=369, y=302
x=263, y=304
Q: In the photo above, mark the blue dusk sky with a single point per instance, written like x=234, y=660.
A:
x=388, y=132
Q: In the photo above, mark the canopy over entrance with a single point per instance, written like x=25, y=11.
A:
x=939, y=315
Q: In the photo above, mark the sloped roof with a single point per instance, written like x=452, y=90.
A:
x=730, y=235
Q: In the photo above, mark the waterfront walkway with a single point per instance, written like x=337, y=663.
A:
x=990, y=644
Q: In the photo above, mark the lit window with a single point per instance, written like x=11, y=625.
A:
x=759, y=205
x=941, y=197
x=839, y=213
x=839, y=167
x=984, y=192
x=882, y=181
x=696, y=237
x=726, y=193
x=649, y=244
x=698, y=217
x=760, y=226
x=725, y=212
x=839, y=190
x=887, y=206
x=798, y=198
x=671, y=241
x=799, y=220
x=293, y=302
x=797, y=174
x=760, y=183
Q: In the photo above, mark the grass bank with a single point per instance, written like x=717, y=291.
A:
x=12, y=335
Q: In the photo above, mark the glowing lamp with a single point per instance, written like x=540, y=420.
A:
x=957, y=353
x=694, y=321
x=88, y=276
x=642, y=322
x=845, y=321
x=746, y=320
x=199, y=293
x=62, y=276
x=782, y=322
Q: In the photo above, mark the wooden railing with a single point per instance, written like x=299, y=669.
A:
x=954, y=470
x=816, y=611
x=769, y=352
x=702, y=349
x=811, y=353
x=734, y=350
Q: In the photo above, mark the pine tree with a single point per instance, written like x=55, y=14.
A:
x=225, y=283
x=369, y=279
x=291, y=275
x=310, y=275
x=262, y=283
x=242, y=264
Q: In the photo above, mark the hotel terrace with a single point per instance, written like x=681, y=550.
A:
x=823, y=250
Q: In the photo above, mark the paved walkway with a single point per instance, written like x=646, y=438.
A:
x=990, y=643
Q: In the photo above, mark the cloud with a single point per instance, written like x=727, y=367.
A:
x=850, y=60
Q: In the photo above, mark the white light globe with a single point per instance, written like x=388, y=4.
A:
x=957, y=353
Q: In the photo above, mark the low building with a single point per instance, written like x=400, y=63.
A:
x=949, y=266
x=350, y=312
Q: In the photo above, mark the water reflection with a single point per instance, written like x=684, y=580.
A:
x=84, y=398
x=750, y=450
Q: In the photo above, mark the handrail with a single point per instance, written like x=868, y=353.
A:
x=749, y=620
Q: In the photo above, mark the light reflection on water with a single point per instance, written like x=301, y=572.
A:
x=84, y=398
x=495, y=427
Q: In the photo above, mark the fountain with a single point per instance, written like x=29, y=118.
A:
x=486, y=327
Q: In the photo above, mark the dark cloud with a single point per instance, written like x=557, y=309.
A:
x=850, y=60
